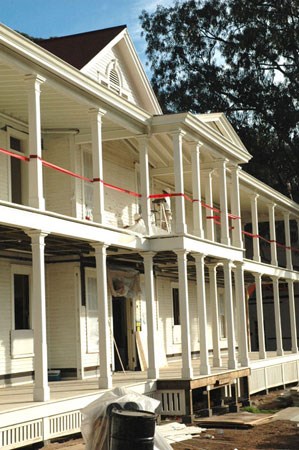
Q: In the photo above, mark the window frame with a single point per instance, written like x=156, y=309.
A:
x=20, y=270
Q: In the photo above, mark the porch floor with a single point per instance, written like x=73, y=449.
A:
x=15, y=398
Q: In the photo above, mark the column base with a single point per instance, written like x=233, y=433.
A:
x=244, y=362
x=205, y=369
x=232, y=364
x=105, y=382
x=153, y=374
x=41, y=394
x=262, y=355
x=187, y=373
x=217, y=362
x=279, y=352
x=294, y=349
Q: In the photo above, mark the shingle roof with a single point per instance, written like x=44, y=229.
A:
x=79, y=49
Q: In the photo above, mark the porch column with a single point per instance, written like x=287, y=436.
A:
x=202, y=313
x=255, y=228
x=221, y=165
x=229, y=310
x=153, y=365
x=292, y=316
x=96, y=116
x=197, y=210
x=187, y=371
x=180, y=218
x=35, y=169
x=235, y=208
x=277, y=314
x=217, y=361
x=41, y=392
x=272, y=234
x=260, y=315
x=286, y=216
x=105, y=379
x=241, y=313
x=209, y=202
x=144, y=181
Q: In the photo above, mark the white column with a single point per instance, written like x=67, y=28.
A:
x=241, y=313
x=144, y=181
x=209, y=202
x=272, y=234
x=105, y=379
x=221, y=165
x=255, y=228
x=197, y=210
x=202, y=313
x=229, y=310
x=292, y=316
x=187, y=371
x=96, y=116
x=235, y=208
x=180, y=218
x=217, y=362
x=260, y=315
x=41, y=392
x=286, y=216
x=153, y=366
x=35, y=171
x=277, y=314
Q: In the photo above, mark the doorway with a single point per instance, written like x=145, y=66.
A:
x=124, y=333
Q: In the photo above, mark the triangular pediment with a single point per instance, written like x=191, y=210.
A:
x=219, y=123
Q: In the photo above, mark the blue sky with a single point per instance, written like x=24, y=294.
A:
x=46, y=18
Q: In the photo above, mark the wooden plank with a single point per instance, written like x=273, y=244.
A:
x=140, y=351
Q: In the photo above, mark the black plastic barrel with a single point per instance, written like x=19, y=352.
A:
x=132, y=430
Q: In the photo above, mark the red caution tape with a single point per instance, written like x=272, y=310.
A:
x=14, y=155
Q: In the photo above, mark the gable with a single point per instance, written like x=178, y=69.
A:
x=219, y=123
x=120, y=57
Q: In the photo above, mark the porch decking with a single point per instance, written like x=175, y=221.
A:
x=23, y=421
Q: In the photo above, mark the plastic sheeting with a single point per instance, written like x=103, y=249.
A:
x=124, y=283
x=95, y=427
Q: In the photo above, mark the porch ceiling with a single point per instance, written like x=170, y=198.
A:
x=61, y=109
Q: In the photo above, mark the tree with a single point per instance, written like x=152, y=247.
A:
x=240, y=58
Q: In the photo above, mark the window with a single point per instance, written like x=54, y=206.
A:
x=176, y=306
x=17, y=142
x=21, y=298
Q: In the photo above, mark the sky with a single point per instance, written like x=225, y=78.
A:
x=48, y=18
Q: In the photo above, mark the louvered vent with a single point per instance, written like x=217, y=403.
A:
x=114, y=80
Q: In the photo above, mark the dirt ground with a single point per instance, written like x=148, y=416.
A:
x=272, y=435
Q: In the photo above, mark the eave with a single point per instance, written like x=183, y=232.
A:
x=197, y=130
x=34, y=58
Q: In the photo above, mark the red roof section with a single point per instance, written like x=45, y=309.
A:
x=79, y=49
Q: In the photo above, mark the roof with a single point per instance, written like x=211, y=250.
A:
x=79, y=49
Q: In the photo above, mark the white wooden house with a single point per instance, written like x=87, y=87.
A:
x=95, y=275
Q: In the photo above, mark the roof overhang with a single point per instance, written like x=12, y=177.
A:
x=197, y=130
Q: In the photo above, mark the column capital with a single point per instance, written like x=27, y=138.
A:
x=286, y=214
x=195, y=145
x=254, y=196
x=198, y=256
x=178, y=133
x=36, y=233
x=271, y=205
x=99, y=246
x=32, y=78
x=100, y=112
x=234, y=167
x=142, y=139
x=213, y=266
x=274, y=277
x=257, y=274
x=181, y=252
x=219, y=163
x=147, y=254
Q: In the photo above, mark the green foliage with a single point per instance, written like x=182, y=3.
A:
x=240, y=58
x=255, y=410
